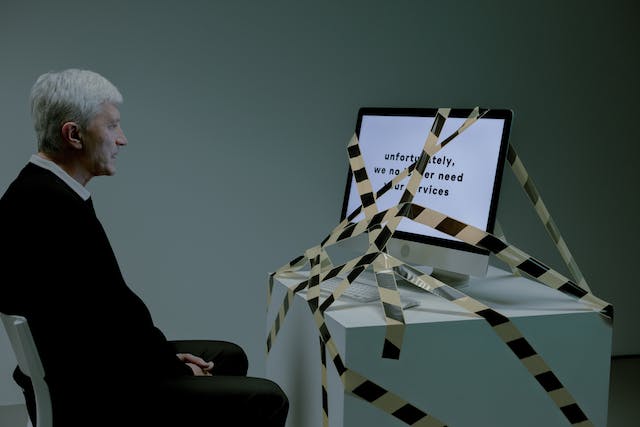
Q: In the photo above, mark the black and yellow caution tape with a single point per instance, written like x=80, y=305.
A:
x=543, y=213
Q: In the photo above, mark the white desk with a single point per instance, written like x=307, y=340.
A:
x=452, y=365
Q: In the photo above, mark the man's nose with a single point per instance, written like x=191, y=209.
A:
x=121, y=140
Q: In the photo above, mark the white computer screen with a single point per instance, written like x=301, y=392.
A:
x=462, y=180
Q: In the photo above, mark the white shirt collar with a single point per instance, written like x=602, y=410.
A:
x=51, y=166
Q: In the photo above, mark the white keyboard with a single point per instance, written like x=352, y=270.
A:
x=363, y=292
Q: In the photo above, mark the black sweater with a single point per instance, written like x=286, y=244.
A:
x=59, y=270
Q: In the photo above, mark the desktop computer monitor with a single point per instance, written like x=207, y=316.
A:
x=462, y=180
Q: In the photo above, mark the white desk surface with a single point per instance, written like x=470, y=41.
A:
x=452, y=364
x=510, y=295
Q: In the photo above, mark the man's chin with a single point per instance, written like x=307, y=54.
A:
x=108, y=172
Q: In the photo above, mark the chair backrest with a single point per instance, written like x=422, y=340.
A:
x=29, y=362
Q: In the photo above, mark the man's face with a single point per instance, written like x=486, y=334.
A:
x=101, y=140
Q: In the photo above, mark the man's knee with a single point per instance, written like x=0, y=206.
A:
x=231, y=361
x=240, y=358
x=269, y=402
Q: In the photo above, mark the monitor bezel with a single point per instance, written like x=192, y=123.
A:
x=499, y=113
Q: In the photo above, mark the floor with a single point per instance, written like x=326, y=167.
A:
x=624, y=392
x=624, y=397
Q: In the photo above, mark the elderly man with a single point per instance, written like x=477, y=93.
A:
x=104, y=359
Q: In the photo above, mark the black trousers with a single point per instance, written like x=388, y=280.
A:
x=227, y=398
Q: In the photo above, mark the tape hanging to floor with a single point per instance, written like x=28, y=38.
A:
x=380, y=227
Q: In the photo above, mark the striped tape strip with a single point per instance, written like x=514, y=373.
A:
x=549, y=224
x=365, y=190
x=390, y=298
x=279, y=320
x=325, y=390
x=475, y=114
x=388, y=401
x=293, y=265
x=430, y=148
x=391, y=305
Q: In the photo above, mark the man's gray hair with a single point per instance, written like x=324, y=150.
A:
x=67, y=96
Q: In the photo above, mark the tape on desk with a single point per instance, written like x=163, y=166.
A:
x=352, y=381
x=509, y=334
x=364, y=388
x=389, y=296
x=391, y=305
x=325, y=390
x=501, y=325
x=359, y=385
x=505, y=329
x=507, y=253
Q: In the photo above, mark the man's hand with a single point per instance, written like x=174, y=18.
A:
x=197, y=364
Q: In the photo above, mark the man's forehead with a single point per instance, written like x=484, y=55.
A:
x=109, y=110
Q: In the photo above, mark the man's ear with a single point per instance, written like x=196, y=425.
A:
x=71, y=135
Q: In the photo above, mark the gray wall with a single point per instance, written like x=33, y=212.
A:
x=238, y=114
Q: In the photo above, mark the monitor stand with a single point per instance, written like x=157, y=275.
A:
x=450, y=278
